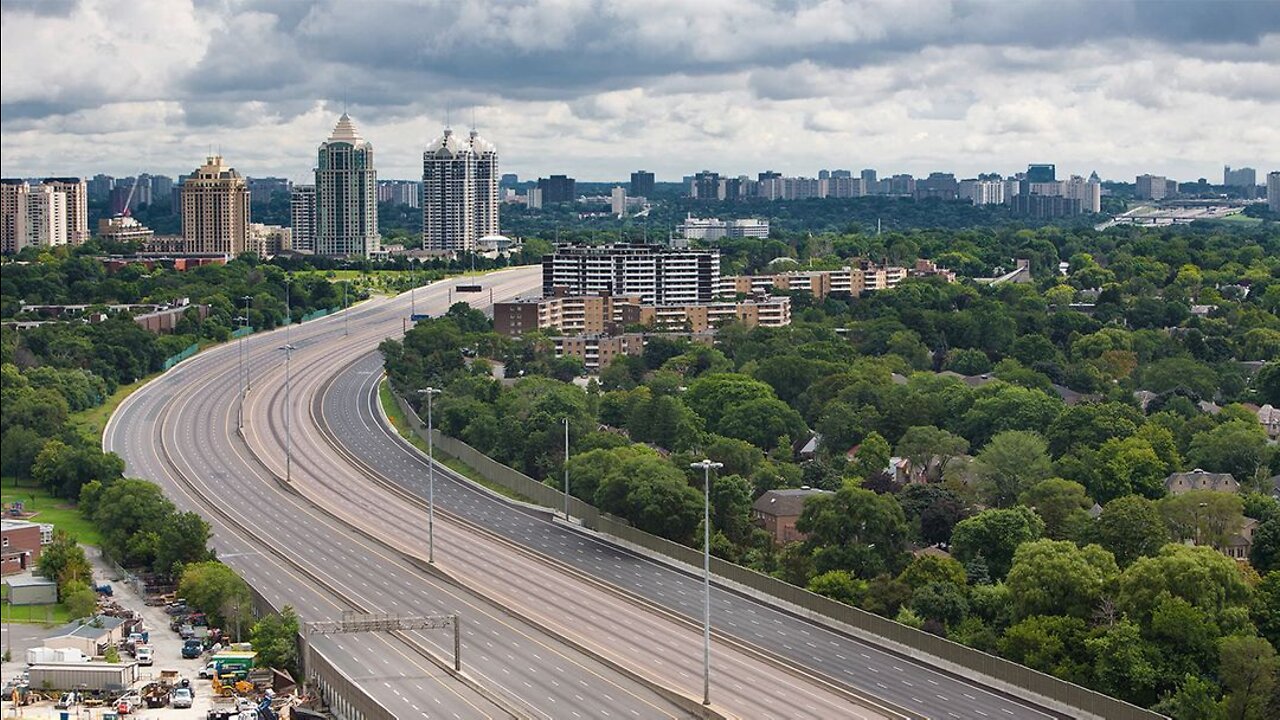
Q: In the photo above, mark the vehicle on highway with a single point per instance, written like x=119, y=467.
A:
x=192, y=648
x=145, y=655
x=181, y=698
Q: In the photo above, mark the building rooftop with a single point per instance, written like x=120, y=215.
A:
x=28, y=581
x=784, y=502
x=16, y=524
x=345, y=131
x=87, y=627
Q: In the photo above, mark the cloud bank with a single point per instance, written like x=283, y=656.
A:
x=597, y=89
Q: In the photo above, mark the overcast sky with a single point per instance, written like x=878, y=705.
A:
x=597, y=89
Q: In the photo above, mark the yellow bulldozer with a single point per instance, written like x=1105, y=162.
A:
x=228, y=686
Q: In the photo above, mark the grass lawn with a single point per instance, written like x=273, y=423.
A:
x=93, y=422
x=42, y=614
x=401, y=423
x=61, y=513
x=1242, y=219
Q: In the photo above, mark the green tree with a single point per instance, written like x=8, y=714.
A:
x=275, y=639
x=1203, y=516
x=839, y=585
x=856, y=530
x=1010, y=465
x=995, y=535
x=1131, y=527
x=183, y=538
x=943, y=602
x=1062, y=504
x=127, y=513
x=1202, y=576
x=1195, y=699
x=63, y=561
x=872, y=458
x=81, y=601
x=654, y=495
x=761, y=422
x=1247, y=666
x=1050, y=644
x=926, y=568
x=1054, y=577
x=1124, y=663
x=215, y=590
x=1264, y=553
x=930, y=449
x=1236, y=446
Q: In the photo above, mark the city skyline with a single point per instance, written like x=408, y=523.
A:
x=737, y=88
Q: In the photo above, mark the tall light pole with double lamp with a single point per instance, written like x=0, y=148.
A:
x=706, y=466
x=566, y=467
x=288, y=412
x=243, y=322
x=247, y=383
x=430, y=392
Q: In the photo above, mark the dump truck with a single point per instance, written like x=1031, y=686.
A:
x=156, y=694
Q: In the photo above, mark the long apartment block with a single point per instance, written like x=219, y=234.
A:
x=657, y=274
x=606, y=314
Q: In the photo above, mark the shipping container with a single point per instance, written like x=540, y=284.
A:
x=87, y=675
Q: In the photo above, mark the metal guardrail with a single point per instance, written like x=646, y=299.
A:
x=947, y=651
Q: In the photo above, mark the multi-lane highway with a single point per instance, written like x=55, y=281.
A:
x=551, y=614
x=180, y=431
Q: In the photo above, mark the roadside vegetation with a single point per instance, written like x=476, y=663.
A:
x=995, y=457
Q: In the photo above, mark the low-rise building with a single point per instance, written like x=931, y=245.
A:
x=597, y=351
x=124, y=229
x=1241, y=542
x=20, y=543
x=778, y=510
x=605, y=314
x=1179, y=483
x=90, y=636
x=31, y=590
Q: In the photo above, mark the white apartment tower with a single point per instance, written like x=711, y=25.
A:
x=302, y=213
x=215, y=209
x=77, y=192
x=485, y=194
x=346, y=195
x=32, y=216
x=657, y=274
x=460, y=197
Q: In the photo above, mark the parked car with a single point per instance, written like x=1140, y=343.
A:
x=181, y=698
x=145, y=655
x=127, y=704
x=186, y=632
x=192, y=648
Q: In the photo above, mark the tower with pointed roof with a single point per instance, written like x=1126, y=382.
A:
x=346, y=194
x=460, y=198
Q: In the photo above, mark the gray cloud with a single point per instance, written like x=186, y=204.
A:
x=960, y=83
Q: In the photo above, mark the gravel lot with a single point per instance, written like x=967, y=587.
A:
x=168, y=656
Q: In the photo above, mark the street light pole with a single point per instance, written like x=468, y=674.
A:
x=240, y=372
x=706, y=466
x=288, y=412
x=566, y=467
x=248, y=380
x=430, y=392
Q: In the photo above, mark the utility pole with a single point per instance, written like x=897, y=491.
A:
x=706, y=466
x=430, y=392
x=288, y=412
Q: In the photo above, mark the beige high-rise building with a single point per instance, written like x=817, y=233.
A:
x=77, y=193
x=215, y=209
x=31, y=215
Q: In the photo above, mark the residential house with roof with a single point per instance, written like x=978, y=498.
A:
x=1179, y=483
x=778, y=510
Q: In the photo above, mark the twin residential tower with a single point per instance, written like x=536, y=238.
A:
x=459, y=192
x=338, y=216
